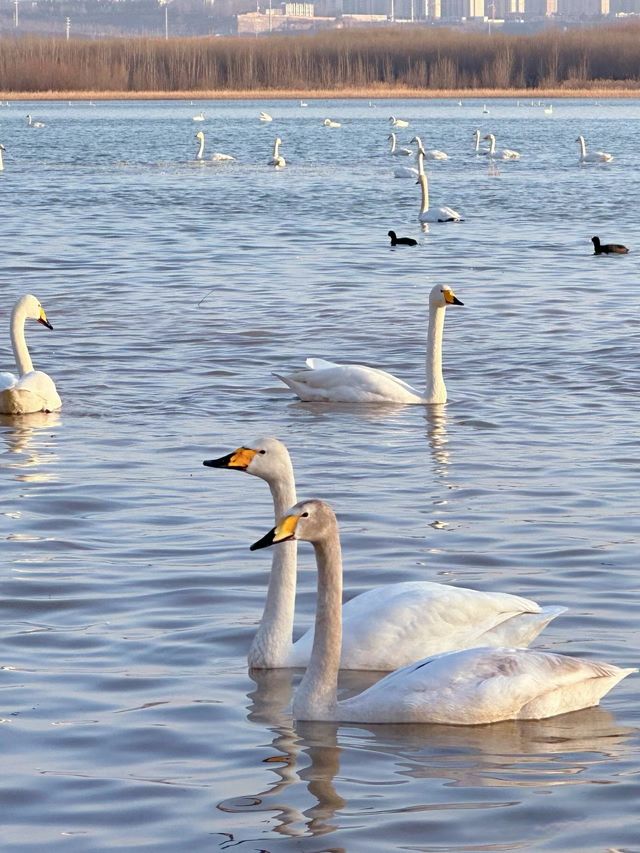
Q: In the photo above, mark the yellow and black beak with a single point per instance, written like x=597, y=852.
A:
x=43, y=319
x=451, y=299
x=282, y=532
x=240, y=459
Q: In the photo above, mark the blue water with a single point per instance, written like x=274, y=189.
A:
x=128, y=594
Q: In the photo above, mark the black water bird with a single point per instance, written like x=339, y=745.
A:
x=402, y=241
x=608, y=248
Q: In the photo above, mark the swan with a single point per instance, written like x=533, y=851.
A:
x=548, y=111
x=330, y=123
x=485, y=109
x=431, y=154
x=398, y=152
x=470, y=687
x=199, y=117
x=608, y=248
x=277, y=160
x=218, y=157
x=328, y=382
x=480, y=151
x=32, y=390
x=265, y=116
x=398, y=122
x=401, y=241
x=304, y=104
x=405, y=172
x=2, y=148
x=33, y=123
x=386, y=627
x=435, y=214
x=505, y=154
x=594, y=156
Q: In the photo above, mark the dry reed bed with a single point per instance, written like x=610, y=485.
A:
x=382, y=62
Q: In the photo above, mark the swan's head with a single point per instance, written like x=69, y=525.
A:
x=417, y=141
x=489, y=136
x=278, y=141
x=580, y=139
x=392, y=119
x=308, y=521
x=200, y=135
x=266, y=458
x=326, y=122
x=29, y=306
x=442, y=295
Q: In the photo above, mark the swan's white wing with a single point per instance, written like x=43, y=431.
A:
x=349, y=383
x=434, y=154
x=405, y=172
x=38, y=392
x=478, y=686
x=390, y=626
x=221, y=157
x=7, y=380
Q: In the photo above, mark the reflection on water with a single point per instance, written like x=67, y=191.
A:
x=30, y=440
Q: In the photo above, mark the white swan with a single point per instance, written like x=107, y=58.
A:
x=277, y=160
x=471, y=687
x=217, y=157
x=398, y=152
x=594, y=156
x=304, y=104
x=383, y=628
x=398, y=122
x=33, y=123
x=2, y=148
x=265, y=116
x=548, y=111
x=31, y=390
x=432, y=153
x=405, y=172
x=330, y=123
x=326, y=381
x=434, y=214
x=485, y=109
x=480, y=151
x=199, y=117
x=504, y=154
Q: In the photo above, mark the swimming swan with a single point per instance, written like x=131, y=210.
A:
x=326, y=381
x=594, y=156
x=470, y=687
x=277, y=160
x=480, y=151
x=434, y=214
x=218, y=157
x=330, y=123
x=383, y=628
x=33, y=123
x=398, y=122
x=504, y=154
x=2, y=148
x=32, y=390
x=199, y=117
x=432, y=153
x=265, y=116
x=398, y=152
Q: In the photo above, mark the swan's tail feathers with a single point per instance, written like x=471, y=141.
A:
x=286, y=380
x=319, y=364
x=521, y=629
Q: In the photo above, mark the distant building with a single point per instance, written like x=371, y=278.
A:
x=540, y=8
x=457, y=9
x=582, y=8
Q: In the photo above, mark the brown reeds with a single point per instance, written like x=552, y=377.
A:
x=416, y=60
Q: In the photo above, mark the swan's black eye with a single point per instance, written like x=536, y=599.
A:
x=262, y=452
x=305, y=515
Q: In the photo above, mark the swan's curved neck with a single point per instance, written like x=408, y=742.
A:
x=583, y=147
x=315, y=698
x=477, y=136
x=435, y=391
x=492, y=144
x=18, y=342
x=200, y=153
x=1, y=161
x=272, y=642
x=424, y=186
x=276, y=148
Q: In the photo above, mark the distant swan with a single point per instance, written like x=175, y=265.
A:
x=199, y=117
x=608, y=248
x=430, y=154
x=434, y=214
x=398, y=152
x=398, y=122
x=303, y=104
x=386, y=627
x=326, y=381
x=33, y=123
x=31, y=390
x=2, y=148
x=470, y=687
x=594, y=156
x=548, y=110
x=218, y=157
x=277, y=160
x=504, y=154
x=265, y=117
x=330, y=123
x=405, y=172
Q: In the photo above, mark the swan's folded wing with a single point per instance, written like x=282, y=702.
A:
x=349, y=383
x=42, y=386
x=7, y=380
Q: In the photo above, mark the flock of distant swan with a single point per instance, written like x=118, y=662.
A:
x=454, y=655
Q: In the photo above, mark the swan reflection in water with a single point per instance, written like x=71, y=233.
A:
x=548, y=753
x=28, y=446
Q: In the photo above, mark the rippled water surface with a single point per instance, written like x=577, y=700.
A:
x=128, y=593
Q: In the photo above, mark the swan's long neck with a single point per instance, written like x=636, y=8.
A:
x=18, y=342
x=436, y=391
x=200, y=153
x=272, y=642
x=392, y=138
x=1, y=161
x=424, y=186
x=477, y=136
x=315, y=698
x=583, y=147
x=276, y=147
x=492, y=144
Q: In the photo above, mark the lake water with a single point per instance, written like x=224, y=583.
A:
x=128, y=593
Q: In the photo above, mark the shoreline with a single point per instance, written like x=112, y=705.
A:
x=320, y=94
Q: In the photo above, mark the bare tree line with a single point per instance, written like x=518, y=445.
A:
x=412, y=58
